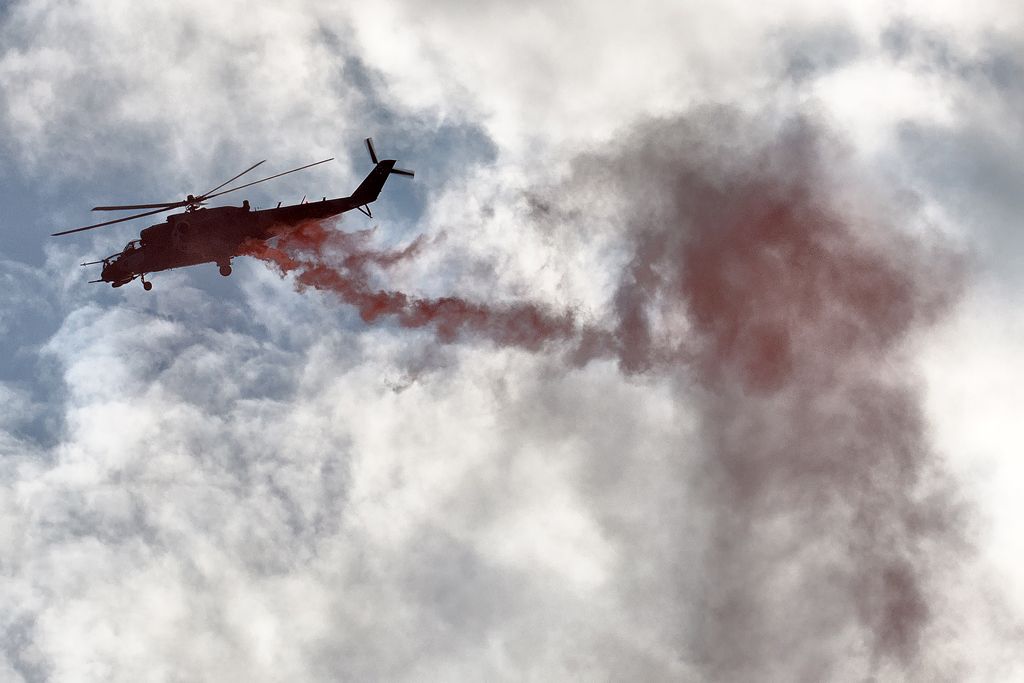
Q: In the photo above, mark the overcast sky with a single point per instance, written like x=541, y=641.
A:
x=772, y=431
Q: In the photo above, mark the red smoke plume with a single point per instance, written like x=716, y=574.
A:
x=829, y=512
x=340, y=262
x=827, y=508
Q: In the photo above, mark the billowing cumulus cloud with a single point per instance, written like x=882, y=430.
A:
x=627, y=384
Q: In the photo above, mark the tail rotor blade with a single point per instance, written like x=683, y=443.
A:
x=371, y=150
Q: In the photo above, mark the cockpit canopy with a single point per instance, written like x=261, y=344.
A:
x=128, y=249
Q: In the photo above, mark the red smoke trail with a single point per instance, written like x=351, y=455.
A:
x=339, y=262
x=829, y=513
x=799, y=324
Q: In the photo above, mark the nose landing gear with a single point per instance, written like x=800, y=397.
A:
x=225, y=268
x=146, y=284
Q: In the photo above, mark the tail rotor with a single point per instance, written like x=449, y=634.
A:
x=373, y=157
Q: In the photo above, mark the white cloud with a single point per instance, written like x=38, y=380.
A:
x=975, y=386
x=348, y=531
x=262, y=488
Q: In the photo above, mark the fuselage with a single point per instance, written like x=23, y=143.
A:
x=216, y=235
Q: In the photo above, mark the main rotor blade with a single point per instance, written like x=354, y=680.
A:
x=208, y=193
x=371, y=150
x=117, y=220
x=211, y=196
x=129, y=207
x=174, y=205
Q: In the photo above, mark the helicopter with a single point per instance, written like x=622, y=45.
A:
x=217, y=234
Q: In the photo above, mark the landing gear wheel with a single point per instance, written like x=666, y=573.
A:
x=147, y=285
x=225, y=269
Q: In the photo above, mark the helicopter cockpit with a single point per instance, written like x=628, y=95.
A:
x=128, y=250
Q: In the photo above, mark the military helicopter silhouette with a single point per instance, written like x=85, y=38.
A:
x=217, y=234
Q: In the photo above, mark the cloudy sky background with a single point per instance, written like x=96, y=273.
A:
x=227, y=479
